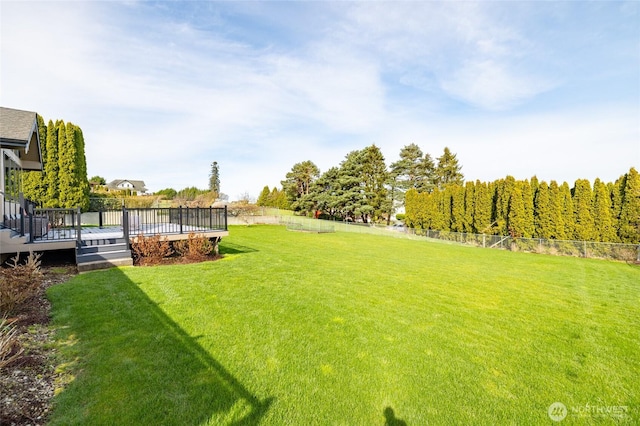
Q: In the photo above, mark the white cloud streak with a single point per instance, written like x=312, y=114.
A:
x=160, y=97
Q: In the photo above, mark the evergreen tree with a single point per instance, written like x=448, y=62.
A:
x=604, y=230
x=263, y=198
x=457, y=207
x=516, y=217
x=615, y=193
x=280, y=200
x=482, y=208
x=33, y=182
x=51, y=166
x=527, y=198
x=374, y=179
x=298, y=182
x=325, y=193
x=568, y=217
x=445, y=206
x=629, y=223
x=469, y=201
x=82, y=188
x=557, y=208
x=414, y=169
x=503, y=190
x=582, y=206
x=543, y=219
x=73, y=189
x=214, y=178
x=448, y=170
x=411, y=208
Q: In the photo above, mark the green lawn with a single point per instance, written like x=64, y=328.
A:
x=299, y=328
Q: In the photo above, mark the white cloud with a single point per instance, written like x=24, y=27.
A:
x=160, y=97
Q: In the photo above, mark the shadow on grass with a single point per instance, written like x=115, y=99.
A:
x=391, y=419
x=231, y=248
x=135, y=365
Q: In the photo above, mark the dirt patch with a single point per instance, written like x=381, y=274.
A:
x=27, y=384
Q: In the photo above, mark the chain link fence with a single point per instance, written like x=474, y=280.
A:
x=587, y=249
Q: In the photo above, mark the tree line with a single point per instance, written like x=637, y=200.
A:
x=606, y=212
x=63, y=181
x=362, y=187
x=435, y=195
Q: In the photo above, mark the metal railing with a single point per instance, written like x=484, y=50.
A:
x=49, y=224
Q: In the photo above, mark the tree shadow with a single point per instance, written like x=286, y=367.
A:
x=391, y=419
x=137, y=366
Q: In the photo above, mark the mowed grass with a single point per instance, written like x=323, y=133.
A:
x=303, y=329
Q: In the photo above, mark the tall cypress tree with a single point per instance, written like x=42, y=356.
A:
x=410, y=208
x=82, y=181
x=33, y=182
x=527, y=199
x=629, y=223
x=516, y=222
x=557, y=218
x=604, y=230
x=582, y=208
x=504, y=190
x=469, y=201
x=456, y=193
x=51, y=166
x=263, y=198
x=482, y=208
x=543, y=218
x=568, y=218
x=67, y=166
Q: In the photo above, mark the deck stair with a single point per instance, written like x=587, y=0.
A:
x=103, y=253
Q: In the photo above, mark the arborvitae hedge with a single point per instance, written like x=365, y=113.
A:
x=63, y=181
x=607, y=212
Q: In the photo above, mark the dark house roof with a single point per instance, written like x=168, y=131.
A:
x=19, y=131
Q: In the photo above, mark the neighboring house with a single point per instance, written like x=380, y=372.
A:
x=19, y=151
x=135, y=186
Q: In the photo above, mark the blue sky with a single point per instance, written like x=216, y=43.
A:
x=163, y=89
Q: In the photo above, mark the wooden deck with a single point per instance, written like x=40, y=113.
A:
x=66, y=229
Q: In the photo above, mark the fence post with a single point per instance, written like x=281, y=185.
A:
x=30, y=210
x=225, y=223
x=180, y=217
x=638, y=258
x=100, y=218
x=210, y=217
x=79, y=227
x=125, y=224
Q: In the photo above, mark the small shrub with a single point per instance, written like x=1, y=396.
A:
x=196, y=247
x=150, y=250
x=10, y=347
x=19, y=283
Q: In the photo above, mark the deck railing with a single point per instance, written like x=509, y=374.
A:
x=48, y=224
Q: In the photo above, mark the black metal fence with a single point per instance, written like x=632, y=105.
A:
x=47, y=224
